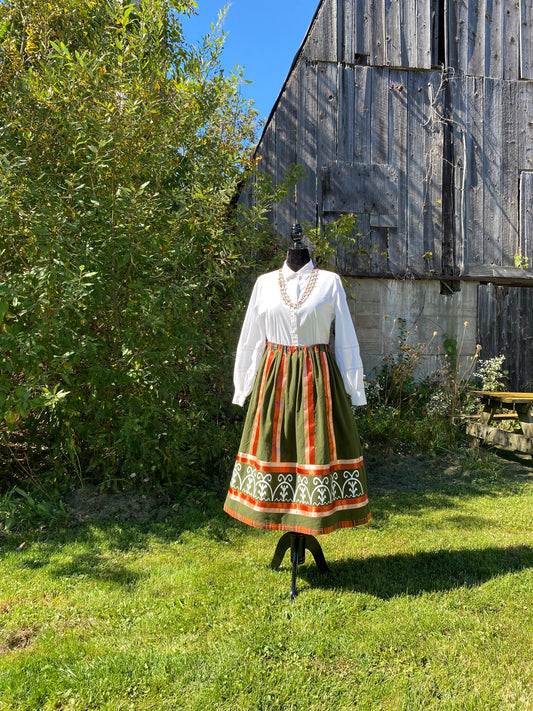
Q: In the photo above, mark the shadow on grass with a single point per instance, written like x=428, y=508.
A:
x=100, y=568
x=410, y=485
x=414, y=574
x=93, y=565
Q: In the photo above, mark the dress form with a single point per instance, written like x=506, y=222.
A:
x=299, y=468
x=297, y=257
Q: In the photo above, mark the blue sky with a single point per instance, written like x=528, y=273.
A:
x=262, y=37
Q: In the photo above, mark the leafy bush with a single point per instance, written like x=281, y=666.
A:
x=121, y=246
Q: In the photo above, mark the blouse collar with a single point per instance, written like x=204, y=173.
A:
x=288, y=274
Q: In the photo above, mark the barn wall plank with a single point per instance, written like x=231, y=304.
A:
x=416, y=171
x=525, y=125
x=379, y=122
x=409, y=33
x=449, y=242
x=423, y=23
x=361, y=25
x=494, y=38
x=476, y=38
x=286, y=156
x=327, y=107
x=327, y=30
x=339, y=49
x=370, y=29
x=451, y=40
x=379, y=42
x=434, y=152
x=348, y=36
x=492, y=173
x=346, y=114
x=526, y=218
x=510, y=217
x=393, y=35
x=459, y=87
x=475, y=92
x=306, y=142
x=526, y=40
x=363, y=100
x=511, y=38
x=524, y=340
x=461, y=39
x=398, y=104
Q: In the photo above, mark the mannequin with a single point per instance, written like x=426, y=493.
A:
x=299, y=468
x=297, y=257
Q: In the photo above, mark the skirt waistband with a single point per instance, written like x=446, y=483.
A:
x=281, y=348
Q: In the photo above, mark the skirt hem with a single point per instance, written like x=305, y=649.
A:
x=297, y=529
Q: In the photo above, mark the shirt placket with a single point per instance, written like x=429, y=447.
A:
x=297, y=287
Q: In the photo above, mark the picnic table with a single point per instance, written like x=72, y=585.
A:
x=514, y=406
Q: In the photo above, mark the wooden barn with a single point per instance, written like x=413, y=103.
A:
x=417, y=117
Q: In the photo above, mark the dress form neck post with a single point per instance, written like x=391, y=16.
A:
x=298, y=255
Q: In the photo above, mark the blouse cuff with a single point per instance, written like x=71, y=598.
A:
x=238, y=399
x=358, y=398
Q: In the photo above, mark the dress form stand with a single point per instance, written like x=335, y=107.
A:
x=298, y=542
x=297, y=257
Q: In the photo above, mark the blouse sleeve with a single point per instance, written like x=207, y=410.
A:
x=347, y=352
x=249, y=349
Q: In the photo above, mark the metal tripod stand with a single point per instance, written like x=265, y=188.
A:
x=298, y=542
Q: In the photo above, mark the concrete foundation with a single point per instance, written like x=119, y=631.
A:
x=389, y=313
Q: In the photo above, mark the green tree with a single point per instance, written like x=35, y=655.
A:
x=121, y=247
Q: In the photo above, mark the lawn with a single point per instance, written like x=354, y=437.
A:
x=136, y=606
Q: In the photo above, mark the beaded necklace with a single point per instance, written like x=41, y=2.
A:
x=308, y=289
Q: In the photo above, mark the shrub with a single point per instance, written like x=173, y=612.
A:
x=122, y=249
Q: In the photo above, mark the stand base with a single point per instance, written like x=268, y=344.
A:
x=298, y=542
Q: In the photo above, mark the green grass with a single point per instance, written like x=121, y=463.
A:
x=428, y=607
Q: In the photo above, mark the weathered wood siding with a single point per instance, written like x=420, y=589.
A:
x=491, y=38
x=371, y=141
x=504, y=328
x=394, y=33
x=363, y=95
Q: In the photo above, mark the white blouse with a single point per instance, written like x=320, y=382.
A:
x=270, y=319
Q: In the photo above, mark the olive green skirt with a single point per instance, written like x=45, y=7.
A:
x=299, y=466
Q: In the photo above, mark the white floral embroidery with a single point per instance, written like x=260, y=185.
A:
x=299, y=489
x=284, y=487
x=350, y=486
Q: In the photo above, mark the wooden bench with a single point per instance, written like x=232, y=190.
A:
x=515, y=406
